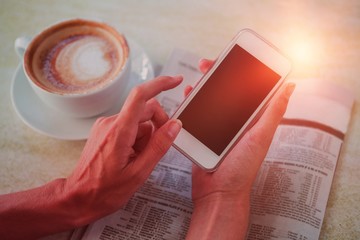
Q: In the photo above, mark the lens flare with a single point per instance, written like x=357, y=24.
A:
x=306, y=53
x=303, y=52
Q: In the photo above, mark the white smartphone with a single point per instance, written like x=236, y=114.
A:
x=229, y=98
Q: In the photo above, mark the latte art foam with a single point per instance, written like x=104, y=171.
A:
x=79, y=63
x=76, y=57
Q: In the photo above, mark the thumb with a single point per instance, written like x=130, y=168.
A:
x=159, y=144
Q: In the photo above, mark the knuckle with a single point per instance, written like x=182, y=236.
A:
x=254, y=139
x=280, y=105
x=163, y=78
x=277, y=110
x=255, y=143
x=138, y=92
x=100, y=121
x=153, y=104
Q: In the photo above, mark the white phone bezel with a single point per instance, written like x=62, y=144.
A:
x=267, y=54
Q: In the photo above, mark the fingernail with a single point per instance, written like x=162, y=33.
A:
x=174, y=127
x=290, y=86
x=178, y=78
x=202, y=61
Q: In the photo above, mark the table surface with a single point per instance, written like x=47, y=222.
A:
x=322, y=38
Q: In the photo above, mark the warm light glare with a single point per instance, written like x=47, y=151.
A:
x=303, y=52
x=306, y=53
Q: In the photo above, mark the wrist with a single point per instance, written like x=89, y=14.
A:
x=223, y=197
x=79, y=201
x=220, y=216
x=227, y=205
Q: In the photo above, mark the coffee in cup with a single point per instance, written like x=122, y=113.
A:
x=79, y=67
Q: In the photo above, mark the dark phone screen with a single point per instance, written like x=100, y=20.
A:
x=227, y=100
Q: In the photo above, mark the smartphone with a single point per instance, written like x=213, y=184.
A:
x=229, y=98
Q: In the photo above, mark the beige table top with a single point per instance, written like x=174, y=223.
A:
x=326, y=35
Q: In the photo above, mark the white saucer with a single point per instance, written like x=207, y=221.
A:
x=38, y=116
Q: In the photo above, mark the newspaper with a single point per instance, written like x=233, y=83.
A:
x=292, y=187
x=289, y=197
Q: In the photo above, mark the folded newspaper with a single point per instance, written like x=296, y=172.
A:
x=290, y=193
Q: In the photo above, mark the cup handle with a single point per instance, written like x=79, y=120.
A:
x=21, y=44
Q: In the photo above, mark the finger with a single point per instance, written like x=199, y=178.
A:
x=205, y=65
x=154, y=112
x=187, y=90
x=276, y=109
x=143, y=135
x=144, y=129
x=262, y=132
x=135, y=104
x=157, y=146
x=253, y=147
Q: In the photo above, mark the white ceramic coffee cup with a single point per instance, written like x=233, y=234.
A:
x=82, y=101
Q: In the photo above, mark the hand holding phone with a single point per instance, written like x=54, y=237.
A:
x=228, y=98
